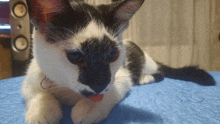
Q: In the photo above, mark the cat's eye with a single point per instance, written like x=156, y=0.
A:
x=75, y=57
x=113, y=55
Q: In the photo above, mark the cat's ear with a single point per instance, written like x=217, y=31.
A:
x=41, y=11
x=122, y=11
x=126, y=9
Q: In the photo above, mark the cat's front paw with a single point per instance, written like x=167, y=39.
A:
x=87, y=112
x=91, y=119
x=39, y=117
x=43, y=109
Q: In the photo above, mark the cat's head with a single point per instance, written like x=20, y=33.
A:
x=80, y=46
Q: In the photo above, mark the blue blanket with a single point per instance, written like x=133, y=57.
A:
x=167, y=102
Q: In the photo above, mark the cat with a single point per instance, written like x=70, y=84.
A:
x=79, y=55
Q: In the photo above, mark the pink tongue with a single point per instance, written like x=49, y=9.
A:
x=96, y=97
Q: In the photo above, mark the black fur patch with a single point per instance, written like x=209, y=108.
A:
x=158, y=77
x=190, y=73
x=95, y=69
x=136, y=61
x=64, y=25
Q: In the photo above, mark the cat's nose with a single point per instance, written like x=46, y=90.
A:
x=99, y=89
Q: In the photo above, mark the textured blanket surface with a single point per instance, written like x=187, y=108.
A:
x=167, y=102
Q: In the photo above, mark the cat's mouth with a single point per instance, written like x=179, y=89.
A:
x=89, y=94
x=92, y=96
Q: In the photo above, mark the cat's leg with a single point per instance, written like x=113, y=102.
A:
x=150, y=72
x=87, y=112
x=142, y=67
x=43, y=108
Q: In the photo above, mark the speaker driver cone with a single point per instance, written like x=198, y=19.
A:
x=20, y=43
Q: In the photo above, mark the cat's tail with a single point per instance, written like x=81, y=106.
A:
x=188, y=73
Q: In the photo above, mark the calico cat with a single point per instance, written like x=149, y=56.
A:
x=80, y=60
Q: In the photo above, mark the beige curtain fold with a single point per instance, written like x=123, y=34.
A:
x=176, y=32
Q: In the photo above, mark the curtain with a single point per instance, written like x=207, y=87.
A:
x=176, y=32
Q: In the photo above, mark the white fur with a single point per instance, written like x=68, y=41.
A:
x=147, y=79
x=151, y=66
x=43, y=108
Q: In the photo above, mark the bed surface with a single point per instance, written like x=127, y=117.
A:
x=167, y=102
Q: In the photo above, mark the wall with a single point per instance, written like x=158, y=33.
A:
x=215, y=33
